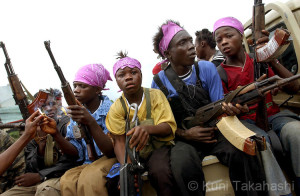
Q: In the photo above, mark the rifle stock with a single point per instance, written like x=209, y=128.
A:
x=71, y=100
x=250, y=94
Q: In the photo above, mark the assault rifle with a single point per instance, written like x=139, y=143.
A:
x=276, y=46
x=12, y=125
x=258, y=24
x=128, y=171
x=15, y=85
x=249, y=94
x=71, y=100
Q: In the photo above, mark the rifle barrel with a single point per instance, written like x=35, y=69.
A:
x=281, y=82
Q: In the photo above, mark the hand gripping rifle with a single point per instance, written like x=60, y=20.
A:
x=128, y=171
x=250, y=94
x=18, y=93
x=71, y=100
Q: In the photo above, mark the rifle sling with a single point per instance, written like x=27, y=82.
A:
x=148, y=116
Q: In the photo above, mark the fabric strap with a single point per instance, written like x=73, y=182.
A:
x=48, y=158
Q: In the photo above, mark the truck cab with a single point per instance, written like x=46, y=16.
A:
x=286, y=16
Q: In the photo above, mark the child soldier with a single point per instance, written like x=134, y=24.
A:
x=239, y=70
x=157, y=125
x=188, y=86
x=45, y=163
x=89, y=178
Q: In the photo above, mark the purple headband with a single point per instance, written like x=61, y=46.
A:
x=229, y=22
x=93, y=74
x=169, y=31
x=126, y=62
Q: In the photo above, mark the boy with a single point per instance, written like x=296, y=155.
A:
x=203, y=85
x=239, y=69
x=89, y=178
x=45, y=164
x=157, y=124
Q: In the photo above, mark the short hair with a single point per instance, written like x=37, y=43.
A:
x=159, y=35
x=206, y=35
x=121, y=54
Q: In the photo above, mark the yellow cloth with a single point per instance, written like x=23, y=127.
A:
x=160, y=113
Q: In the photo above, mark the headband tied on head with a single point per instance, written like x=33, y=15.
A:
x=93, y=74
x=169, y=30
x=126, y=62
x=229, y=22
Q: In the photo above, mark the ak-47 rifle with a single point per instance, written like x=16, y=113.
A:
x=18, y=93
x=276, y=46
x=71, y=100
x=249, y=94
x=128, y=171
x=258, y=24
x=241, y=137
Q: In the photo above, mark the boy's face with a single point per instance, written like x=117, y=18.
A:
x=129, y=79
x=229, y=41
x=50, y=107
x=182, y=49
x=84, y=93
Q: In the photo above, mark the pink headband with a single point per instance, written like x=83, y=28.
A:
x=93, y=74
x=126, y=62
x=229, y=22
x=169, y=31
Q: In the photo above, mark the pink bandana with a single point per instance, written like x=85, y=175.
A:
x=126, y=62
x=93, y=74
x=169, y=31
x=229, y=22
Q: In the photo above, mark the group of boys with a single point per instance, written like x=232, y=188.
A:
x=170, y=153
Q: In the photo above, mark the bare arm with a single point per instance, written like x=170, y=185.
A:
x=81, y=115
x=119, y=147
x=49, y=126
x=102, y=140
x=280, y=70
x=8, y=156
x=140, y=134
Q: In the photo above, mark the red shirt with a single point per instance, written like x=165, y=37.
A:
x=240, y=76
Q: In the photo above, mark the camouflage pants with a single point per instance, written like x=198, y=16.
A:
x=49, y=187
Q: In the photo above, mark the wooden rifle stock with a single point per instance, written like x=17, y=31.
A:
x=250, y=94
x=18, y=93
x=71, y=100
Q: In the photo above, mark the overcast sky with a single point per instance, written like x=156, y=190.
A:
x=93, y=31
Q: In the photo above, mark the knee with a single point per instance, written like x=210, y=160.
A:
x=63, y=179
x=291, y=131
x=159, y=169
x=46, y=190
x=183, y=152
